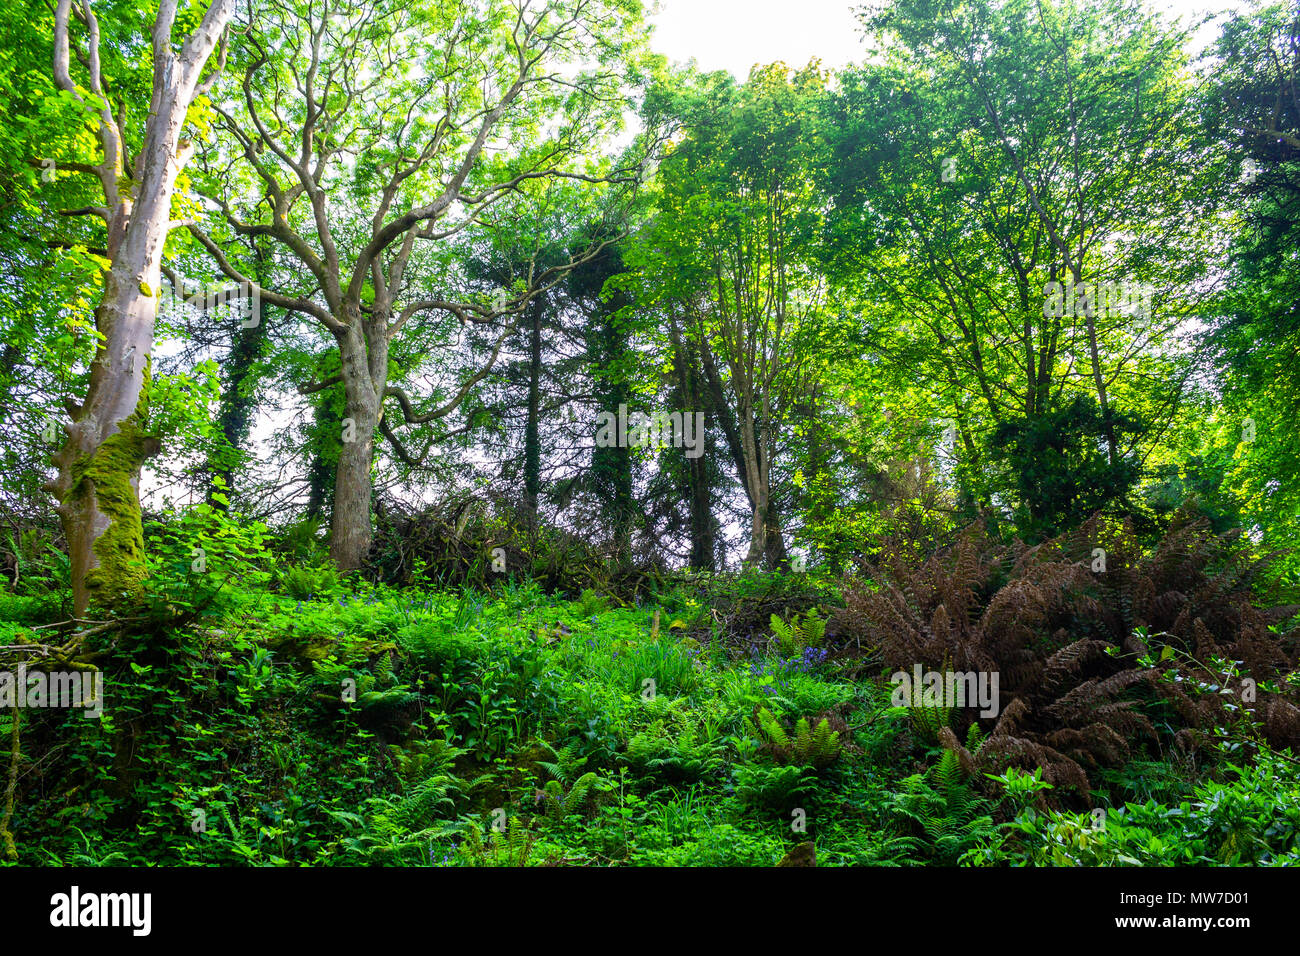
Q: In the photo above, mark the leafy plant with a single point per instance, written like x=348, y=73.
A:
x=943, y=810
x=774, y=788
x=511, y=848
x=1066, y=631
x=808, y=746
x=793, y=636
x=560, y=802
x=305, y=583
x=683, y=758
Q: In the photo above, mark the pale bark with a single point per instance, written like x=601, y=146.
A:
x=97, y=483
x=365, y=299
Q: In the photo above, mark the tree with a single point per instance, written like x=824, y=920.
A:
x=732, y=249
x=1022, y=210
x=363, y=165
x=1253, y=107
x=97, y=484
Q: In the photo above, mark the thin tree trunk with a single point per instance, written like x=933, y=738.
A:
x=236, y=410
x=697, y=469
x=1099, y=381
x=703, y=542
x=532, y=428
x=726, y=420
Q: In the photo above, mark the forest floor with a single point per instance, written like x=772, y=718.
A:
x=409, y=727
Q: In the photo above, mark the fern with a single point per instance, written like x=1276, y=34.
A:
x=930, y=720
x=775, y=788
x=512, y=848
x=303, y=583
x=560, y=803
x=421, y=805
x=565, y=762
x=1080, y=674
x=940, y=804
x=816, y=747
x=677, y=759
x=793, y=636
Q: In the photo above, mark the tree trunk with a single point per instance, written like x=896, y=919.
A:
x=1098, y=379
x=98, y=482
x=697, y=469
x=757, y=533
x=612, y=467
x=532, y=428
x=350, y=528
x=722, y=412
x=702, y=525
x=774, y=547
x=236, y=411
x=365, y=366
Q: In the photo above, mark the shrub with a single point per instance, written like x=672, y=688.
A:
x=1076, y=641
x=431, y=644
x=946, y=815
x=303, y=583
x=1250, y=819
x=778, y=789
x=794, y=636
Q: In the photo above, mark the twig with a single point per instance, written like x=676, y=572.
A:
x=73, y=620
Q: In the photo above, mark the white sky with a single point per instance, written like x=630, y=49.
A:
x=735, y=34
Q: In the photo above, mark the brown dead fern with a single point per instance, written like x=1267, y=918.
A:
x=1068, y=624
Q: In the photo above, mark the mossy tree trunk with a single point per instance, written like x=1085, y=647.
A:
x=97, y=485
x=238, y=404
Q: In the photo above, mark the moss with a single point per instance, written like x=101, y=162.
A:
x=301, y=649
x=107, y=473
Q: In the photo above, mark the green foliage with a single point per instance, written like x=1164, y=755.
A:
x=512, y=719
x=947, y=816
x=683, y=758
x=850, y=272
x=307, y=583
x=561, y=802
x=808, y=746
x=794, y=636
x=778, y=789
x=1250, y=818
x=435, y=644
x=203, y=558
x=590, y=603
x=512, y=848
x=1057, y=464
